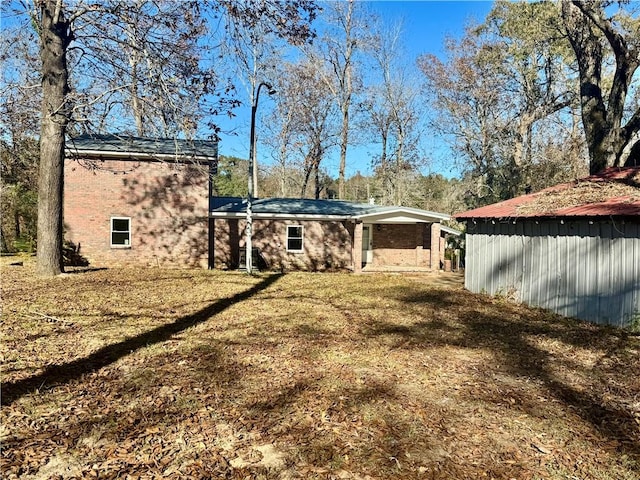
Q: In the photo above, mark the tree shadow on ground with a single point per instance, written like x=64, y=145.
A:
x=512, y=336
x=60, y=374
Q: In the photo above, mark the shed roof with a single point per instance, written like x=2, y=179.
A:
x=612, y=192
x=120, y=145
x=321, y=209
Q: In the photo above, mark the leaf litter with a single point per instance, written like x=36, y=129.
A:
x=582, y=193
x=152, y=373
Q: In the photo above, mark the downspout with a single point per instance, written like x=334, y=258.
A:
x=211, y=231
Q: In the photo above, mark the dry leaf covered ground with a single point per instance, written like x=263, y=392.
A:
x=155, y=373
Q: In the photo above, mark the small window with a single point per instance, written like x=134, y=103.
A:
x=120, y=232
x=294, y=238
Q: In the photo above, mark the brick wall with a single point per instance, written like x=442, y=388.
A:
x=326, y=245
x=167, y=204
x=401, y=245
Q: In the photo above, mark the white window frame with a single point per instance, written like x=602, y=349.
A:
x=301, y=238
x=112, y=231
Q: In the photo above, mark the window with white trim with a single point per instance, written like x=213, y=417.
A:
x=294, y=238
x=120, y=232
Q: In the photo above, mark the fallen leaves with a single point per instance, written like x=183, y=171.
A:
x=312, y=376
x=580, y=193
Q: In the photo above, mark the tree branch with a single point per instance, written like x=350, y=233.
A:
x=627, y=60
x=632, y=127
x=614, y=38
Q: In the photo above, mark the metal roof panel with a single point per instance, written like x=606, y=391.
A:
x=130, y=145
x=525, y=206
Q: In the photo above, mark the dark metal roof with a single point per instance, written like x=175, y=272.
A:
x=535, y=206
x=293, y=206
x=321, y=209
x=130, y=146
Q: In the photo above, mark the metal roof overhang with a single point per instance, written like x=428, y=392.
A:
x=450, y=231
x=395, y=216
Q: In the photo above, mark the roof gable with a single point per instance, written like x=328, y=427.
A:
x=401, y=215
x=613, y=192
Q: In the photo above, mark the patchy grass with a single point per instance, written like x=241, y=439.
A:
x=196, y=374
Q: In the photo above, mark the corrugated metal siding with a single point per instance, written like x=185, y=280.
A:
x=588, y=270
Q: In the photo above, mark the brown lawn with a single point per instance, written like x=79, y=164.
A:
x=195, y=374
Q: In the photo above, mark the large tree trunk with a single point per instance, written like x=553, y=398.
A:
x=607, y=139
x=55, y=36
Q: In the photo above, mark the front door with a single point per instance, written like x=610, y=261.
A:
x=367, y=245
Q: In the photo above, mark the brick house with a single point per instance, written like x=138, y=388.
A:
x=130, y=200
x=302, y=234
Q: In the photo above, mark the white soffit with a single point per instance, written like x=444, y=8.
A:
x=402, y=215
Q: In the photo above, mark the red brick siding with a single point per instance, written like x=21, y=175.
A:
x=326, y=245
x=167, y=204
x=401, y=245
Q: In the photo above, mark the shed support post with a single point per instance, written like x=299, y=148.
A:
x=435, y=246
x=357, y=247
x=419, y=246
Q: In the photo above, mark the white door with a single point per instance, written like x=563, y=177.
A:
x=367, y=245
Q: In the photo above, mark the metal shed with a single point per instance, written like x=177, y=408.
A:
x=573, y=248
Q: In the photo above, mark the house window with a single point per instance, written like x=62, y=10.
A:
x=120, y=232
x=294, y=238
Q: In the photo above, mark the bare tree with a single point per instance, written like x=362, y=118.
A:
x=304, y=121
x=395, y=116
x=19, y=127
x=256, y=46
x=345, y=37
x=281, y=139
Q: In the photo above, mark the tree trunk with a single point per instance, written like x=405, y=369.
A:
x=3, y=241
x=607, y=140
x=136, y=104
x=344, y=140
x=346, y=91
x=55, y=36
x=308, y=167
x=318, y=189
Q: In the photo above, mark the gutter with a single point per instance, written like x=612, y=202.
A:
x=280, y=216
x=136, y=156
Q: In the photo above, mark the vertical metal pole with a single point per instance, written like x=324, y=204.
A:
x=248, y=254
x=253, y=175
x=248, y=259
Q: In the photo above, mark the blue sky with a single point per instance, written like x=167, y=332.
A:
x=426, y=24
